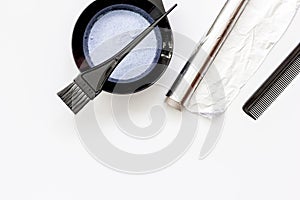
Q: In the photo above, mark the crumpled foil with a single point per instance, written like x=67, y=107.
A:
x=258, y=30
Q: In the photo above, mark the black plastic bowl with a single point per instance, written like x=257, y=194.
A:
x=141, y=6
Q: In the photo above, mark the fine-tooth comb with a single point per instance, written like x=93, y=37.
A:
x=89, y=84
x=274, y=86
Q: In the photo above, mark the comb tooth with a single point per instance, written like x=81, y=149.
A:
x=278, y=84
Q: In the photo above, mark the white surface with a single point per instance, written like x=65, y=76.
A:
x=41, y=155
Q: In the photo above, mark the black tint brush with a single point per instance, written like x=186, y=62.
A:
x=262, y=99
x=89, y=84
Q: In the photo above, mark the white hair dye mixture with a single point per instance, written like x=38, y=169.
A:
x=111, y=30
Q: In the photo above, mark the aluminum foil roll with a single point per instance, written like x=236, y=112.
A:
x=191, y=75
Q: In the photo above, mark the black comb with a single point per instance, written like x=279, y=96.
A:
x=274, y=86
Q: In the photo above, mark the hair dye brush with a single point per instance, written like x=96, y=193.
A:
x=89, y=84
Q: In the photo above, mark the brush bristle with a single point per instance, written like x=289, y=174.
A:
x=74, y=97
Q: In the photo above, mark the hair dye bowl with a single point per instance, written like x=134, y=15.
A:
x=105, y=28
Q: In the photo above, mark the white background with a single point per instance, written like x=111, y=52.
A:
x=41, y=156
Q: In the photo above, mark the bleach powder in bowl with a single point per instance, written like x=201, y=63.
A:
x=111, y=30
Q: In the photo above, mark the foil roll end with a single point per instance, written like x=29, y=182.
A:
x=174, y=104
